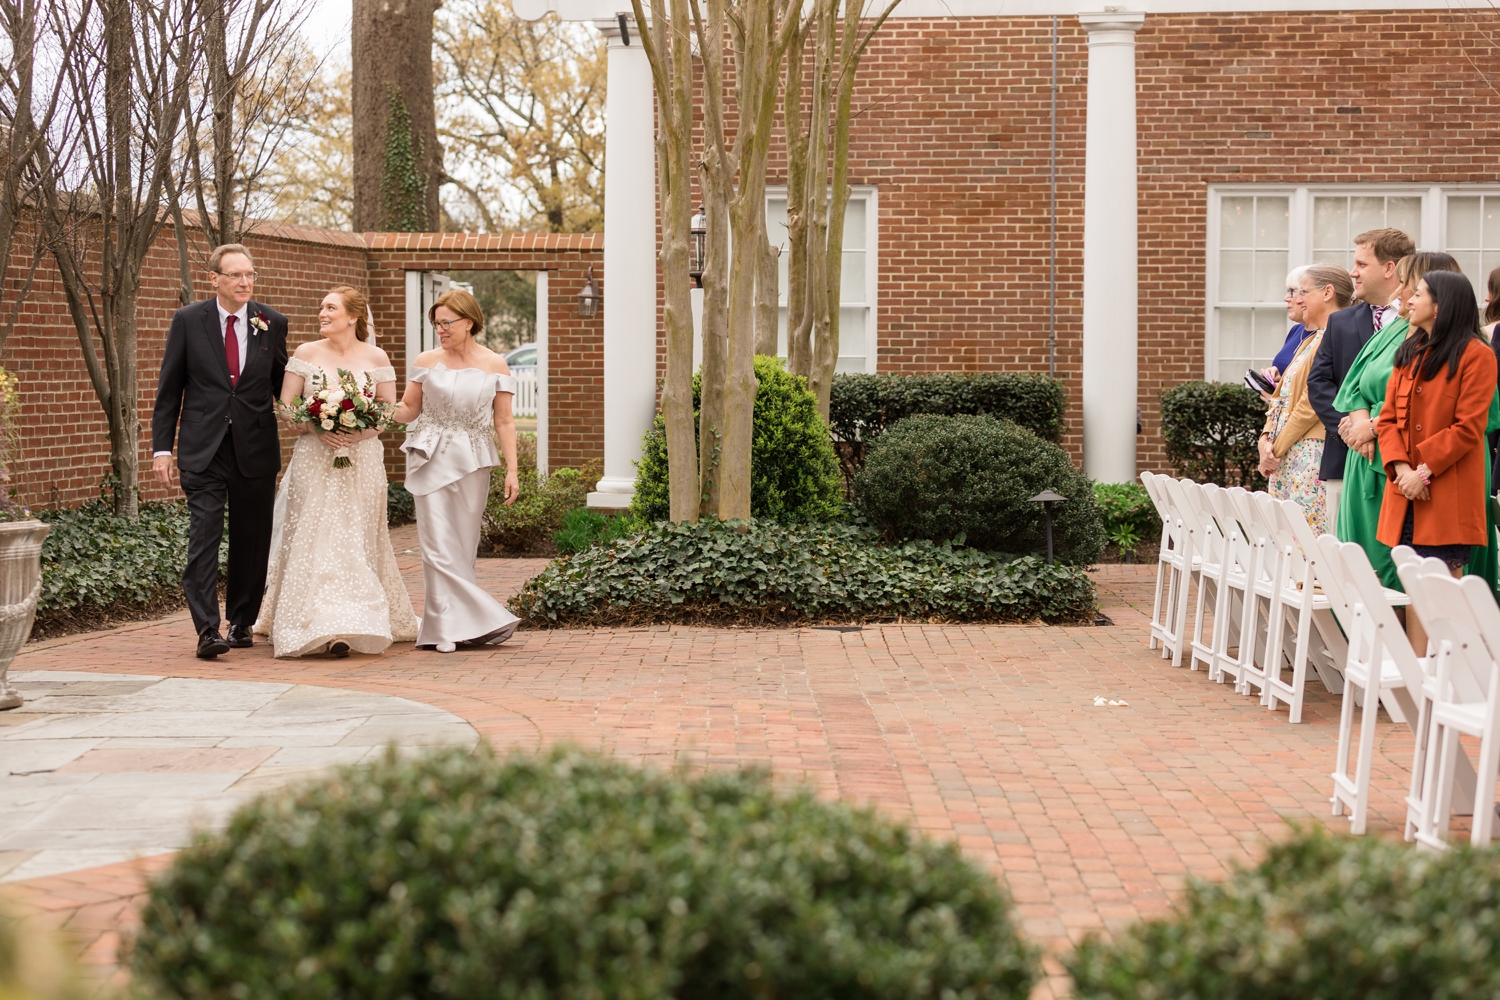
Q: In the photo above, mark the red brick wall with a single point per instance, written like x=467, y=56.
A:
x=64, y=441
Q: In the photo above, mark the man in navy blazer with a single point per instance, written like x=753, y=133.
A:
x=1374, y=272
x=220, y=377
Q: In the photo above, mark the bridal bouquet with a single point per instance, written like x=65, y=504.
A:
x=344, y=406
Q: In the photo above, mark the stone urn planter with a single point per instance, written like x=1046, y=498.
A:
x=20, y=583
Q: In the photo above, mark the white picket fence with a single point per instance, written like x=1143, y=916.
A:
x=525, y=403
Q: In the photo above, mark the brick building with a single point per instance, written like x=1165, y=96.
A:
x=1203, y=147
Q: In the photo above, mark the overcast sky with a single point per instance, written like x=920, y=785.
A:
x=327, y=25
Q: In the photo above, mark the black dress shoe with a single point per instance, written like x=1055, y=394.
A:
x=239, y=637
x=211, y=644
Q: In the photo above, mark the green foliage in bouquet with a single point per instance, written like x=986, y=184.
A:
x=572, y=876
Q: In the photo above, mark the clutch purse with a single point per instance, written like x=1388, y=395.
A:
x=1255, y=380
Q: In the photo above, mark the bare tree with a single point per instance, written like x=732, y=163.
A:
x=818, y=188
x=521, y=116
x=27, y=117
x=669, y=45
x=129, y=86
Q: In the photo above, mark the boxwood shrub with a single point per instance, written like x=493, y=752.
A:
x=1322, y=916
x=862, y=407
x=794, y=474
x=760, y=572
x=971, y=480
x=527, y=526
x=571, y=876
x=1210, y=430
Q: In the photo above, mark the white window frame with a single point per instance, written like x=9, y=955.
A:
x=870, y=195
x=1300, y=197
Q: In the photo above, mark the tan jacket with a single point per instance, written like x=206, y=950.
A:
x=1302, y=422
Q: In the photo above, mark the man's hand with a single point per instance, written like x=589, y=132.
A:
x=162, y=466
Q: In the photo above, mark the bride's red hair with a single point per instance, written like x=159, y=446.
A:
x=357, y=306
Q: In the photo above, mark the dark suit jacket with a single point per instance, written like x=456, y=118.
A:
x=194, y=386
x=1348, y=331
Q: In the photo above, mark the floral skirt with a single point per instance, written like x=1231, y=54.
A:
x=1297, y=479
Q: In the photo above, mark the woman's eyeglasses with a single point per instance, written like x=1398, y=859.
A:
x=445, y=324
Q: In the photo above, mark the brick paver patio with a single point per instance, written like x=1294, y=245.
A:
x=1093, y=816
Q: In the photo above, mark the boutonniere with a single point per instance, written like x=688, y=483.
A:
x=259, y=322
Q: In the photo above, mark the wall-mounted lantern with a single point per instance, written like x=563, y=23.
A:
x=590, y=297
x=698, y=246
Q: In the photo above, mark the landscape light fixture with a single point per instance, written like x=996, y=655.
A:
x=1046, y=498
x=698, y=246
x=590, y=297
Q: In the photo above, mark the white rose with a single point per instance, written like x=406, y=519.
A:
x=327, y=424
x=335, y=396
x=347, y=418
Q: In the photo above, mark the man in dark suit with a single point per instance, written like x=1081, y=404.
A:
x=221, y=376
x=1374, y=272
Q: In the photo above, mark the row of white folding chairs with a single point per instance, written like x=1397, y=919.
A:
x=1255, y=561
x=1460, y=696
x=1450, y=691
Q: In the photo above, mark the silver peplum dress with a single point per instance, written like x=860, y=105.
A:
x=450, y=449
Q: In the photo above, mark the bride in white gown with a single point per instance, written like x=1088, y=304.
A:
x=458, y=401
x=333, y=584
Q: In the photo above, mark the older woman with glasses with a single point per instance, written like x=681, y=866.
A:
x=1291, y=445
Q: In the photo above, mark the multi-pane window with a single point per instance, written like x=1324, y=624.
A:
x=1252, y=270
x=1473, y=236
x=1256, y=233
x=857, y=281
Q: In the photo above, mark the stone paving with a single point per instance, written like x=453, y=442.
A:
x=1094, y=816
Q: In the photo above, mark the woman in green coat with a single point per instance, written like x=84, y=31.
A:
x=1361, y=396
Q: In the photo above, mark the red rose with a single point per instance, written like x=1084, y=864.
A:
x=315, y=407
x=348, y=404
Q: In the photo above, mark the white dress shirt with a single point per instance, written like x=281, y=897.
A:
x=241, y=333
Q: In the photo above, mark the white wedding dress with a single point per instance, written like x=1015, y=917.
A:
x=450, y=449
x=333, y=573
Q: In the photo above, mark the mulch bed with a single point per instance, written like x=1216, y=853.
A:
x=92, y=618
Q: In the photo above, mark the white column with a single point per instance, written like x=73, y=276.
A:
x=1109, y=249
x=629, y=265
x=543, y=292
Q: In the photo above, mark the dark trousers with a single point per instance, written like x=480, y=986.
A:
x=251, y=501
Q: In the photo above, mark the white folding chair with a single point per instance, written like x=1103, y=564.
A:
x=1212, y=594
x=1184, y=564
x=1167, y=514
x=1463, y=623
x=1294, y=636
x=1380, y=666
x=1247, y=548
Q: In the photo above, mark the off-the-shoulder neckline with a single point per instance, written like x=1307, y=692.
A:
x=471, y=368
x=326, y=368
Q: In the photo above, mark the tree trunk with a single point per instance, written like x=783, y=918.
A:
x=766, y=294
x=798, y=348
x=391, y=49
x=220, y=229
x=715, y=171
x=669, y=51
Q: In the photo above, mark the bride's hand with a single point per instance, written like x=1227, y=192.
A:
x=512, y=488
x=338, y=439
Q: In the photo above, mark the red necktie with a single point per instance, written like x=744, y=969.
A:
x=232, y=350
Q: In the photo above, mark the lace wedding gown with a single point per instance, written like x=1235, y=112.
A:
x=333, y=572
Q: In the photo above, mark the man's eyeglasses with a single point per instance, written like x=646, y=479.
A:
x=238, y=275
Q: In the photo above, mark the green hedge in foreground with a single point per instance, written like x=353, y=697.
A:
x=1331, y=917
x=763, y=572
x=570, y=876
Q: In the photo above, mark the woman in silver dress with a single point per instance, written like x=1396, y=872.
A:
x=457, y=403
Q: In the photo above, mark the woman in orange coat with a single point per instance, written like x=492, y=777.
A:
x=1431, y=427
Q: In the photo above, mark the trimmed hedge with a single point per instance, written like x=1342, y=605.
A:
x=572, y=876
x=1322, y=916
x=760, y=572
x=794, y=473
x=528, y=525
x=1210, y=429
x=970, y=480
x=862, y=407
